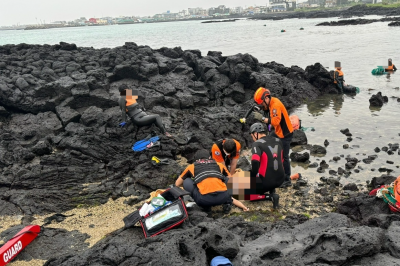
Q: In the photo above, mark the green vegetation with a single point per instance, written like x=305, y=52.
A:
x=260, y=216
x=386, y=4
x=307, y=215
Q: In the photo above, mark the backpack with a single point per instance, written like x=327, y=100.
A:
x=163, y=219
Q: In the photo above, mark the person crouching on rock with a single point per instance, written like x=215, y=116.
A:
x=127, y=103
x=227, y=152
x=339, y=78
x=390, y=67
x=267, y=171
x=206, y=180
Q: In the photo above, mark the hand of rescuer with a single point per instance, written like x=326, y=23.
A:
x=258, y=116
x=122, y=124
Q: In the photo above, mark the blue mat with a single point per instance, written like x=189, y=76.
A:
x=141, y=145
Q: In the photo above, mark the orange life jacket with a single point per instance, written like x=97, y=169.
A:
x=129, y=102
x=396, y=189
x=389, y=67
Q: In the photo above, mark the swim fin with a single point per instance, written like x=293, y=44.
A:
x=141, y=145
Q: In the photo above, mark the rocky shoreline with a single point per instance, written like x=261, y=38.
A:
x=394, y=21
x=354, y=11
x=62, y=152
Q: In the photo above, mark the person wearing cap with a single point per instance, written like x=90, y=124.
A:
x=275, y=114
x=128, y=104
x=390, y=67
x=227, y=152
x=267, y=169
x=206, y=181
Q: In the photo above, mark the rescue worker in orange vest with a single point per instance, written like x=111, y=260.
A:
x=206, y=180
x=339, y=79
x=275, y=114
x=227, y=152
x=390, y=67
x=127, y=103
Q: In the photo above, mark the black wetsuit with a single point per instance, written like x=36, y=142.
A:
x=138, y=116
x=267, y=172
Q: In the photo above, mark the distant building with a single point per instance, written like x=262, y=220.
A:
x=278, y=7
x=281, y=5
x=330, y=3
x=93, y=20
x=220, y=10
x=236, y=10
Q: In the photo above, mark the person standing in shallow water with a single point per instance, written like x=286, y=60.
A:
x=128, y=104
x=338, y=77
x=390, y=66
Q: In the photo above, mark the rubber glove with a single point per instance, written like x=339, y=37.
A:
x=258, y=116
x=122, y=124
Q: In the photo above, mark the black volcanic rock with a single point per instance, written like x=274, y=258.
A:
x=378, y=100
x=60, y=112
x=299, y=157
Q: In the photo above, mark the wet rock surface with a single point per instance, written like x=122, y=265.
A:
x=378, y=100
x=354, y=11
x=61, y=148
x=357, y=232
x=60, y=143
x=393, y=22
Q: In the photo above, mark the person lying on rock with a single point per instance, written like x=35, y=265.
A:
x=390, y=66
x=275, y=114
x=267, y=169
x=128, y=104
x=227, y=152
x=206, y=180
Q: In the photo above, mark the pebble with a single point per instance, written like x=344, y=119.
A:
x=377, y=149
x=345, y=146
x=332, y=172
x=346, y=130
x=385, y=148
x=390, y=162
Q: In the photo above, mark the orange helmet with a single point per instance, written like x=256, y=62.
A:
x=260, y=95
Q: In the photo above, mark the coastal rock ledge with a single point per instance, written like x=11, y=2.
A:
x=61, y=148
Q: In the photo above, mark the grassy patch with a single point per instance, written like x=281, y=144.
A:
x=385, y=4
x=307, y=215
x=260, y=216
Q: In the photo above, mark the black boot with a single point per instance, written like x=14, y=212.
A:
x=275, y=201
x=226, y=208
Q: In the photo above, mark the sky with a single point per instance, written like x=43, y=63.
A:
x=36, y=11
